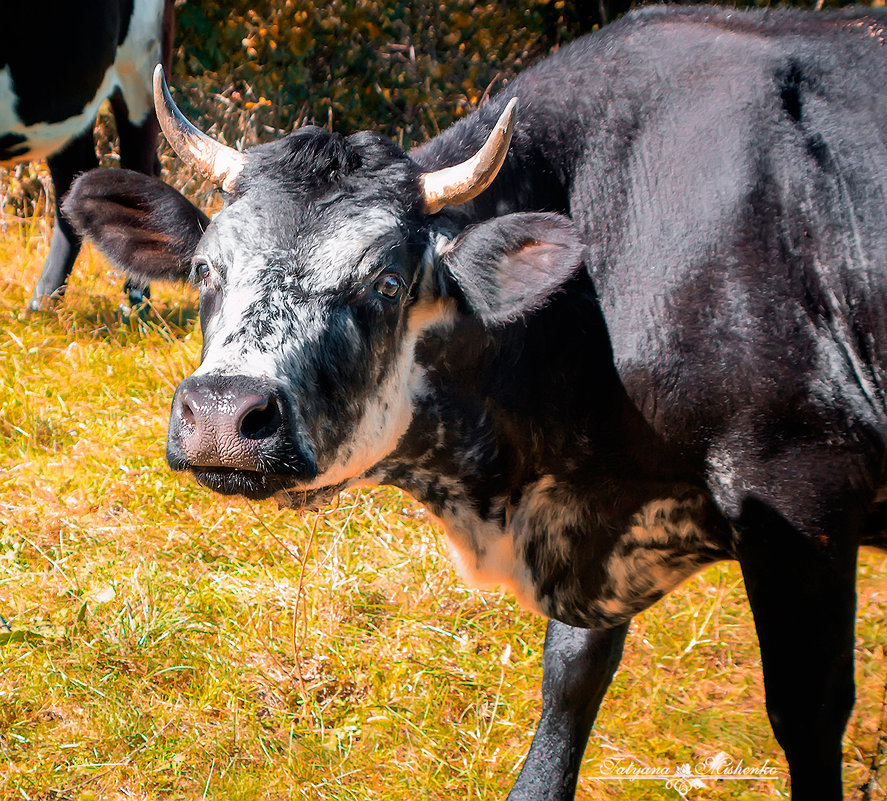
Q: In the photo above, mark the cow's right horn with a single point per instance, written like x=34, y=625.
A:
x=460, y=183
x=217, y=162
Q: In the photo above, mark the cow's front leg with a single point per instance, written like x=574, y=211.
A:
x=76, y=157
x=803, y=597
x=578, y=665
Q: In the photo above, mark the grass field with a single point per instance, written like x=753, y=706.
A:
x=166, y=643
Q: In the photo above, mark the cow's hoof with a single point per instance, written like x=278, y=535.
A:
x=43, y=304
x=132, y=311
x=137, y=303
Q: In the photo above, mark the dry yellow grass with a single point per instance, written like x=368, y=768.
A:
x=166, y=643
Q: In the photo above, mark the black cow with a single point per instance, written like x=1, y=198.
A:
x=711, y=386
x=50, y=94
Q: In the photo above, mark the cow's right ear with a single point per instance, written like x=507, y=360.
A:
x=144, y=227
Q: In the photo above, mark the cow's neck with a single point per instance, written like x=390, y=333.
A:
x=528, y=451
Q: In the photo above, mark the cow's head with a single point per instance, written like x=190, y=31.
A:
x=329, y=259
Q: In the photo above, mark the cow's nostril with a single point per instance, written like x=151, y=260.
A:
x=186, y=412
x=262, y=420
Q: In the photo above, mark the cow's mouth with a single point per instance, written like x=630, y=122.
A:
x=258, y=486
x=231, y=481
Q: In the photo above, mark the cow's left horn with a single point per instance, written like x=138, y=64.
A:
x=217, y=162
x=461, y=182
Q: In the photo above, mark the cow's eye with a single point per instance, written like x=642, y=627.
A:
x=202, y=269
x=389, y=286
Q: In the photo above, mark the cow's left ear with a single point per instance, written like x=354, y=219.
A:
x=508, y=266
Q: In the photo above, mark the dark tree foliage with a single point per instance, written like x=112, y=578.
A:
x=407, y=69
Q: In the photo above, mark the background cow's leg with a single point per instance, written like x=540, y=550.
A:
x=77, y=156
x=578, y=665
x=138, y=151
x=803, y=597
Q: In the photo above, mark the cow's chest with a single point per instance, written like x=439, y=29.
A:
x=565, y=557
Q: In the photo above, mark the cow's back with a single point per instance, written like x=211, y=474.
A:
x=736, y=225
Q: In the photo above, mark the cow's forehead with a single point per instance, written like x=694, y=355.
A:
x=324, y=247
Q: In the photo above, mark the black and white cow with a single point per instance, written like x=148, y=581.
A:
x=50, y=94
x=649, y=334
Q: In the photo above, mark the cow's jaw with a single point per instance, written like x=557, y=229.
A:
x=385, y=418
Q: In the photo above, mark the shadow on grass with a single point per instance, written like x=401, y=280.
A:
x=106, y=321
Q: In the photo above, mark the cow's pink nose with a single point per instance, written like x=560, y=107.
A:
x=225, y=426
x=223, y=429
x=237, y=423
x=251, y=416
x=234, y=432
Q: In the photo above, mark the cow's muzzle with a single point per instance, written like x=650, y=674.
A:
x=238, y=435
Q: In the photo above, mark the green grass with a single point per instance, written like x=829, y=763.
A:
x=167, y=643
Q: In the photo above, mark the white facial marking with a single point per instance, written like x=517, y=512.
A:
x=343, y=248
x=331, y=260
x=387, y=416
x=225, y=358
x=385, y=420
